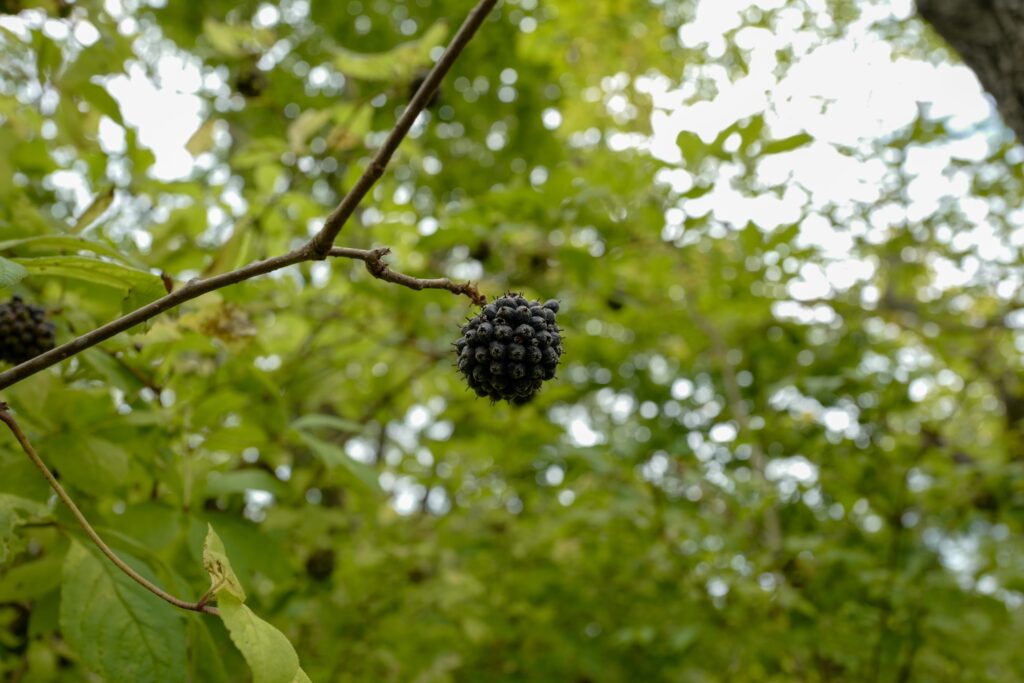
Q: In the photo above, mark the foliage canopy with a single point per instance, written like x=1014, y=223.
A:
x=733, y=478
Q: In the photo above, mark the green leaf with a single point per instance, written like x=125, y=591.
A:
x=335, y=456
x=399, y=63
x=267, y=651
x=60, y=243
x=98, y=97
x=100, y=204
x=119, y=629
x=305, y=126
x=10, y=272
x=15, y=511
x=93, y=270
x=314, y=420
x=234, y=252
x=786, y=144
x=236, y=41
x=240, y=481
x=202, y=140
x=31, y=580
x=141, y=294
x=217, y=565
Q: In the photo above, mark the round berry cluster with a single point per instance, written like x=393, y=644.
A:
x=24, y=331
x=508, y=349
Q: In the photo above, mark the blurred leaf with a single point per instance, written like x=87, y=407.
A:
x=786, y=144
x=100, y=204
x=398, y=64
x=236, y=41
x=202, y=140
x=10, y=272
x=15, y=511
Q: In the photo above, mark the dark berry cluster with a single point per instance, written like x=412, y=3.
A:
x=508, y=349
x=24, y=331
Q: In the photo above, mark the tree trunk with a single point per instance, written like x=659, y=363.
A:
x=989, y=35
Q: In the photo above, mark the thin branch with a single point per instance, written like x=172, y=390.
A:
x=324, y=240
x=26, y=446
x=190, y=290
x=316, y=249
x=772, y=525
x=375, y=265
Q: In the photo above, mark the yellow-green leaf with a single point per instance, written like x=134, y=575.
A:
x=100, y=204
x=202, y=140
x=10, y=272
x=215, y=560
x=398, y=63
x=267, y=651
x=303, y=128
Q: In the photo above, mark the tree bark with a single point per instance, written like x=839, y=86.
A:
x=989, y=35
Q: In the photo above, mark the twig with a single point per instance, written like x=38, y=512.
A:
x=324, y=240
x=316, y=249
x=772, y=525
x=380, y=270
x=12, y=424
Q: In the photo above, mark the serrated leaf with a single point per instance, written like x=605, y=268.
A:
x=15, y=511
x=202, y=140
x=119, y=629
x=267, y=651
x=100, y=204
x=217, y=565
x=397, y=64
x=10, y=272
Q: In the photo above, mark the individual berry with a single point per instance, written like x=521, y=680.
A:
x=523, y=333
x=509, y=348
x=24, y=331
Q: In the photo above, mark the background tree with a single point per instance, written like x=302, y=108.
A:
x=785, y=439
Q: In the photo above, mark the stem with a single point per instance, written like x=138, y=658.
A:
x=380, y=270
x=317, y=248
x=324, y=240
x=772, y=524
x=12, y=424
x=190, y=290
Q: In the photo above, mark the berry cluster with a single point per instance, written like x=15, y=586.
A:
x=508, y=349
x=24, y=331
